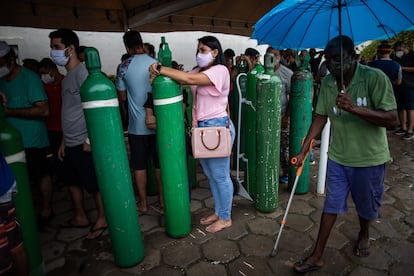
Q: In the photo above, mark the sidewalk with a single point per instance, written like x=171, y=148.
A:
x=244, y=248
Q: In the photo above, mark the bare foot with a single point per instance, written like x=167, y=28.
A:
x=142, y=207
x=209, y=219
x=218, y=226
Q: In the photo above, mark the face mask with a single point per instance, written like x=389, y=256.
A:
x=46, y=78
x=4, y=71
x=59, y=57
x=399, y=54
x=203, y=60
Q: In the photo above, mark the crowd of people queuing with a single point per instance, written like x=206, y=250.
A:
x=45, y=107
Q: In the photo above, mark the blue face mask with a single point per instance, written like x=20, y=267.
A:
x=59, y=57
x=4, y=71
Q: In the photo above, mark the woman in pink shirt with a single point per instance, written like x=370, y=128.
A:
x=210, y=85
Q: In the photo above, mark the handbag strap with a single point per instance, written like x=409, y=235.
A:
x=195, y=104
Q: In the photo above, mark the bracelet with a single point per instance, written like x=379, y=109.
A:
x=159, y=67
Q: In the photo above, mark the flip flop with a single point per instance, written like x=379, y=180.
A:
x=71, y=224
x=306, y=266
x=99, y=230
x=360, y=251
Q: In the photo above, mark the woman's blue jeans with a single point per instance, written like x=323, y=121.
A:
x=217, y=171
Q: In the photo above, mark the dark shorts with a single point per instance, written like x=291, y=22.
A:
x=79, y=170
x=142, y=147
x=405, y=98
x=366, y=185
x=11, y=238
x=37, y=163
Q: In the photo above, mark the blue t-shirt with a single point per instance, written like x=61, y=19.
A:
x=23, y=92
x=133, y=77
x=6, y=176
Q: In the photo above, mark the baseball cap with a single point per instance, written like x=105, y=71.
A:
x=251, y=52
x=384, y=47
x=4, y=48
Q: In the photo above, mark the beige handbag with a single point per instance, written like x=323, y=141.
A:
x=211, y=142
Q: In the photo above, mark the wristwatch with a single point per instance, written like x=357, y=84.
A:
x=158, y=67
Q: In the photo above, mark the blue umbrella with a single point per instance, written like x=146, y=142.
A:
x=302, y=24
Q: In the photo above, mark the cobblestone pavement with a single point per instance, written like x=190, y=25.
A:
x=244, y=248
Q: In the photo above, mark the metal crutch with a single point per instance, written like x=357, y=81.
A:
x=298, y=173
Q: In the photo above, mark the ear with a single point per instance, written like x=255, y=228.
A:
x=214, y=53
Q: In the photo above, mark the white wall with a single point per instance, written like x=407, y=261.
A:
x=34, y=43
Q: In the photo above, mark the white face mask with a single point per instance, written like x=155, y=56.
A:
x=203, y=60
x=59, y=57
x=46, y=78
x=399, y=54
x=4, y=71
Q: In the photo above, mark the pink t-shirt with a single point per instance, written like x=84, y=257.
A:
x=212, y=99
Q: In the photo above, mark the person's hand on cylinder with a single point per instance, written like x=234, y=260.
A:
x=344, y=100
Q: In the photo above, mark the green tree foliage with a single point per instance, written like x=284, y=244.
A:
x=371, y=50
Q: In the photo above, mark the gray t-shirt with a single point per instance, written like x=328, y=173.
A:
x=285, y=75
x=73, y=120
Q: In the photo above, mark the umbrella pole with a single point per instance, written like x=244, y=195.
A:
x=340, y=43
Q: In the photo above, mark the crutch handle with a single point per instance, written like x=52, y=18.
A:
x=294, y=160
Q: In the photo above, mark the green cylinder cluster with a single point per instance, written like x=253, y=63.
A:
x=11, y=145
x=250, y=124
x=100, y=104
x=269, y=90
x=168, y=107
x=300, y=120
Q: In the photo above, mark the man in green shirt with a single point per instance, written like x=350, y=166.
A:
x=359, y=115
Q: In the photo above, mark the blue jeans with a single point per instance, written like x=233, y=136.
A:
x=217, y=171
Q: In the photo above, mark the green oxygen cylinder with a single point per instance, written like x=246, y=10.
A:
x=300, y=102
x=191, y=162
x=168, y=107
x=268, y=119
x=250, y=124
x=100, y=105
x=11, y=145
x=160, y=54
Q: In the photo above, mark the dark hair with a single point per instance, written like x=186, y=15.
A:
x=229, y=53
x=31, y=62
x=47, y=63
x=399, y=44
x=213, y=43
x=82, y=48
x=133, y=40
x=125, y=57
x=347, y=45
x=151, y=49
x=67, y=36
x=10, y=55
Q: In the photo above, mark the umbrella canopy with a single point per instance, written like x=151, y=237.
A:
x=302, y=24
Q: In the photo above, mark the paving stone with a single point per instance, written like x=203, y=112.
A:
x=298, y=222
x=237, y=231
x=163, y=271
x=148, y=222
x=195, y=205
x=207, y=268
x=378, y=258
x=157, y=239
x=334, y=261
x=293, y=241
x=200, y=194
x=198, y=235
x=220, y=251
x=181, y=254
x=401, y=269
x=151, y=260
x=252, y=266
x=262, y=226
x=209, y=202
x=282, y=263
x=301, y=207
x=256, y=245
x=368, y=272
x=403, y=252
x=71, y=234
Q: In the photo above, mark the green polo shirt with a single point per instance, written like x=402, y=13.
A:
x=354, y=141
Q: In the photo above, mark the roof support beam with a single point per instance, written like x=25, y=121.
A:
x=153, y=14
